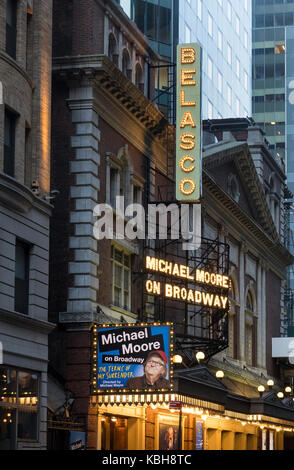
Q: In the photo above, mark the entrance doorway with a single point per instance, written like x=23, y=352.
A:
x=114, y=433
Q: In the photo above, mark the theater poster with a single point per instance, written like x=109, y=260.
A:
x=135, y=358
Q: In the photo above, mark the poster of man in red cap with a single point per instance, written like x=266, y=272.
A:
x=134, y=358
x=155, y=371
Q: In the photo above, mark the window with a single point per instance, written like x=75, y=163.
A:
x=209, y=110
x=245, y=39
x=19, y=391
x=114, y=188
x=249, y=329
x=246, y=79
x=29, y=40
x=187, y=34
x=112, y=49
x=209, y=68
x=164, y=33
x=22, y=266
x=237, y=25
x=219, y=82
x=280, y=49
x=118, y=178
x=233, y=187
x=137, y=194
x=220, y=40
x=238, y=67
x=209, y=25
x=126, y=64
x=229, y=95
x=121, y=278
x=237, y=107
x=229, y=54
x=232, y=316
x=139, y=82
x=199, y=9
x=229, y=12
x=9, y=142
x=11, y=32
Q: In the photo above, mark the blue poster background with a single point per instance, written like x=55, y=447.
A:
x=199, y=435
x=115, y=375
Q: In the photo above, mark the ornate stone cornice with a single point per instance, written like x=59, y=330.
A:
x=239, y=153
x=221, y=198
x=99, y=70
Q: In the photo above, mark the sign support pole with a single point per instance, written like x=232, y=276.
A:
x=180, y=430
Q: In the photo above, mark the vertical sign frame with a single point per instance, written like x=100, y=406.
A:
x=189, y=123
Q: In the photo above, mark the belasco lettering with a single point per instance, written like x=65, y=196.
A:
x=189, y=123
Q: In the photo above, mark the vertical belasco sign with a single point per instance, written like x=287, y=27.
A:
x=188, y=135
x=132, y=358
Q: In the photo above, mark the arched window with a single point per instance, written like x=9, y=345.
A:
x=112, y=49
x=119, y=177
x=126, y=64
x=274, y=203
x=233, y=187
x=250, y=326
x=231, y=322
x=139, y=82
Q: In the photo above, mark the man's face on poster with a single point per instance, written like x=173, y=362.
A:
x=155, y=367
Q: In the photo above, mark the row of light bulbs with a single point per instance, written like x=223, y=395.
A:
x=177, y=358
x=200, y=356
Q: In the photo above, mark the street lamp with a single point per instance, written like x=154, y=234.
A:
x=288, y=390
x=261, y=390
x=220, y=374
x=270, y=383
x=177, y=359
x=200, y=356
x=280, y=395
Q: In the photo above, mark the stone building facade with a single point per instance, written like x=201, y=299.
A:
x=25, y=209
x=110, y=140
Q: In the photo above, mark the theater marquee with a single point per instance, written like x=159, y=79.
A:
x=132, y=358
x=211, y=289
x=188, y=153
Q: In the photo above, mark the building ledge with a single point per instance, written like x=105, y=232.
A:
x=101, y=70
x=19, y=197
x=25, y=321
x=17, y=67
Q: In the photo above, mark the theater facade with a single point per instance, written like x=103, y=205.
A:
x=127, y=309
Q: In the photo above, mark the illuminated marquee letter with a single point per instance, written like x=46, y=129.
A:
x=185, y=159
x=184, y=102
x=187, y=77
x=187, y=141
x=190, y=190
x=188, y=120
x=188, y=55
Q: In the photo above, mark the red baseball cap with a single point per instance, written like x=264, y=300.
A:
x=161, y=354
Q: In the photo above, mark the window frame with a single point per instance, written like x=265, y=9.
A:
x=114, y=262
x=17, y=407
x=27, y=251
x=11, y=30
x=10, y=118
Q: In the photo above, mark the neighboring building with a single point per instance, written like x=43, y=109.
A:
x=271, y=20
x=273, y=33
x=224, y=30
x=25, y=114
